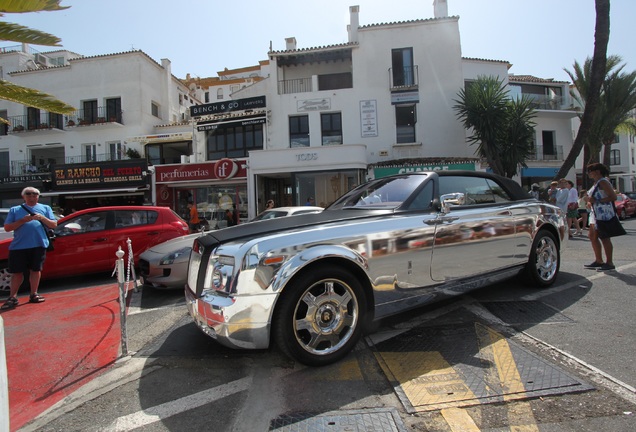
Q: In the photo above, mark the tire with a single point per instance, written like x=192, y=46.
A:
x=544, y=261
x=5, y=277
x=320, y=316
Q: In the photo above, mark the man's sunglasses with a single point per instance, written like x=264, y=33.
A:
x=31, y=193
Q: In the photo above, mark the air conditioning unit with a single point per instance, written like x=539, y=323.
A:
x=43, y=60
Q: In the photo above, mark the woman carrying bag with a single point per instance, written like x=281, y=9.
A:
x=606, y=223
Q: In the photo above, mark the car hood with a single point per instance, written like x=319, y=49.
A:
x=174, y=244
x=269, y=226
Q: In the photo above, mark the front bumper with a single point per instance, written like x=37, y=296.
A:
x=235, y=322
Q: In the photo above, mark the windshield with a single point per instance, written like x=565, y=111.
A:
x=383, y=193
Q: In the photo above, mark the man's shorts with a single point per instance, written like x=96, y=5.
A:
x=21, y=260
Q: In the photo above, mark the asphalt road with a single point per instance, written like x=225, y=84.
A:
x=422, y=371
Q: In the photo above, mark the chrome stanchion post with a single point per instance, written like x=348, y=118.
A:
x=122, y=301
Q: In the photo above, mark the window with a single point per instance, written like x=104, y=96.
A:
x=331, y=128
x=33, y=118
x=113, y=110
x=232, y=140
x=90, y=152
x=549, y=149
x=299, y=131
x=615, y=157
x=405, y=119
x=154, y=109
x=5, y=164
x=116, y=151
x=219, y=93
x=466, y=190
x=125, y=218
x=89, y=111
x=4, y=128
x=206, y=96
x=402, y=66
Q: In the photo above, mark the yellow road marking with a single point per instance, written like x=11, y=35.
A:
x=495, y=347
x=459, y=420
x=425, y=377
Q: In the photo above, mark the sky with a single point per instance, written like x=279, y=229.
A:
x=203, y=37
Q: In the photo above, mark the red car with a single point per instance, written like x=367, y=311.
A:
x=86, y=241
x=625, y=206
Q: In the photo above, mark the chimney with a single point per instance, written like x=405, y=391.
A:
x=291, y=43
x=354, y=23
x=440, y=8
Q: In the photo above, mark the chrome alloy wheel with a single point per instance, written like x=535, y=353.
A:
x=547, y=258
x=326, y=316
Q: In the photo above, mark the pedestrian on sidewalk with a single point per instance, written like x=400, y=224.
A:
x=601, y=197
x=27, y=250
x=583, y=210
x=573, y=208
x=194, y=221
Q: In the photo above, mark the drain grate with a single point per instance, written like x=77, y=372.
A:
x=466, y=364
x=380, y=420
x=526, y=312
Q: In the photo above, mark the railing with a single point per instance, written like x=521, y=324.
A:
x=546, y=102
x=43, y=165
x=46, y=120
x=403, y=78
x=299, y=85
x=546, y=154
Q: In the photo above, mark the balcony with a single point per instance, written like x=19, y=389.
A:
x=404, y=78
x=334, y=81
x=552, y=153
x=43, y=165
x=541, y=102
x=45, y=121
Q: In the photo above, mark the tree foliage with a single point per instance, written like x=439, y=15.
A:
x=17, y=33
x=502, y=128
x=593, y=90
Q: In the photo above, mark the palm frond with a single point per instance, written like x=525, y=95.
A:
x=33, y=98
x=24, y=6
x=18, y=33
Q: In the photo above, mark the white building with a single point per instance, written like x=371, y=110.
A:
x=121, y=98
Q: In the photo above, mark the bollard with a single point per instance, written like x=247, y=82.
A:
x=4, y=383
x=122, y=301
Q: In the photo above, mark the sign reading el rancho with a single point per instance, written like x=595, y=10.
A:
x=127, y=173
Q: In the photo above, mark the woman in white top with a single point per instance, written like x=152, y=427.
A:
x=601, y=197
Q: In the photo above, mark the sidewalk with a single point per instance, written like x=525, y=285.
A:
x=55, y=347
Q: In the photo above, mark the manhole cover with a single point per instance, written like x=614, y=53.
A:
x=381, y=420
x=466, y=364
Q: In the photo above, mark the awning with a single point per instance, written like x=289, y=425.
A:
x=97, y=193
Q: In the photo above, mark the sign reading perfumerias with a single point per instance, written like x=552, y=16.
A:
x=223, y=169
x=100, y=175
x=403, y=169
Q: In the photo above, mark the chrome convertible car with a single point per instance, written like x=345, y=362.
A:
x=312, y=283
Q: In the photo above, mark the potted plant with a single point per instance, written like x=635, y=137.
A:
x=133, y=153
x=70, y=123
x=18, y=128
x=82, y=122
x=100, y=120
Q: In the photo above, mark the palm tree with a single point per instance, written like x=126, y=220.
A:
x=616, y=103
x=501, y=127
x=17, y=33
x=597, y=74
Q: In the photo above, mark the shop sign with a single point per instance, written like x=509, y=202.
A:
x=387, y=171
x=216, y=125
x=405, y=97
x=369, y=118
x=228, y=106
x=26, y=178
x=225, y=169
x=129, y=173
x=221, y=170
x=313, y=105
x=170, y=137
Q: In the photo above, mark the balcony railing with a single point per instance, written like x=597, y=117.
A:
x=404, y=78
x=43, y=165
x=45, y=120
x=542, y=153
x=546, y=102
x=299, y=85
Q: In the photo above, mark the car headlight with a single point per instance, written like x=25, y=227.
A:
x=218, y=276
x=169, y=259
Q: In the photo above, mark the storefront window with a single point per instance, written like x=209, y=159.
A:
x=325, y=187
x=212, y=202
